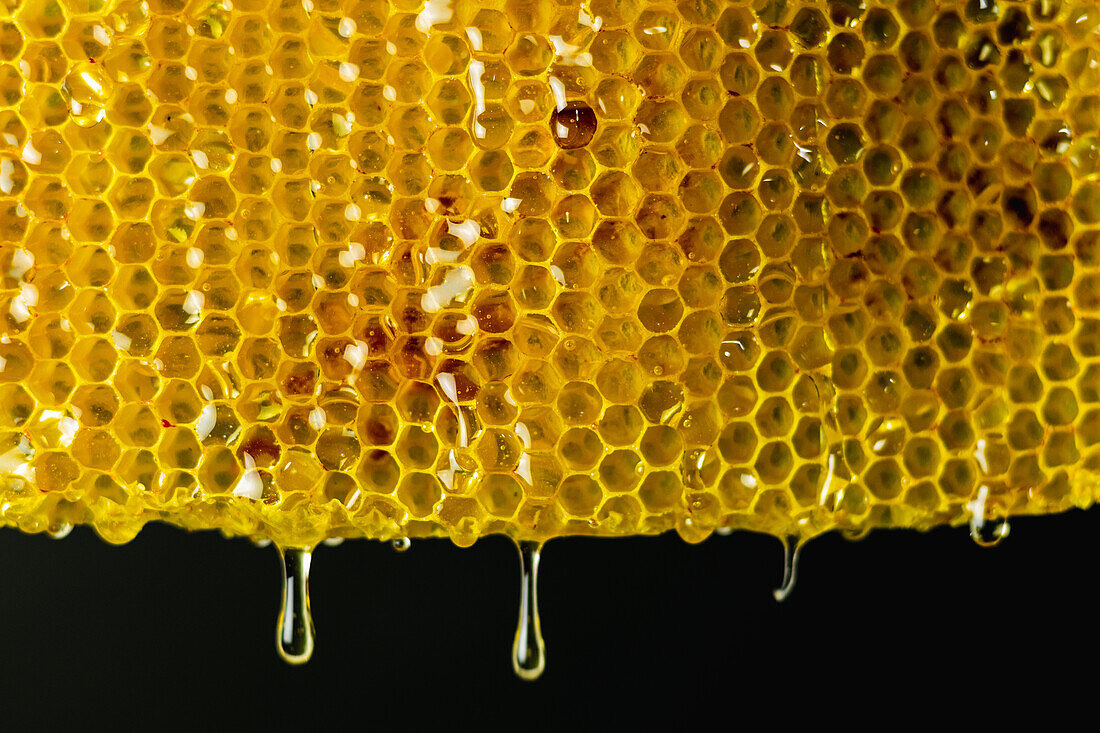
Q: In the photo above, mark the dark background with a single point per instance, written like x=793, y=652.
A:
x=176, y=631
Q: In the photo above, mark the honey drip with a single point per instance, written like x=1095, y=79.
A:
x=294, y=630
x=528, y=648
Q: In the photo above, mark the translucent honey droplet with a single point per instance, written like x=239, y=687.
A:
x=791, y=548
x=59, y=531
x=856, y=535
x=401, y=544
x=294, y=633
x=529, y=649
x=986, y=533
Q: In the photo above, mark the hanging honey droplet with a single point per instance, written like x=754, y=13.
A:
x=986, y=533
x=857, y=534
x=294, y=633
x=59, y=531
x=528, y=648
x=401, y=544
x=791, y=547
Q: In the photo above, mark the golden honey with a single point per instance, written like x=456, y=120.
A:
x=310, y=269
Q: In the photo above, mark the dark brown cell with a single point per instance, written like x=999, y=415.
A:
x=573, y=125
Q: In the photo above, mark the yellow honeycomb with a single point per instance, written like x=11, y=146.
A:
x=308, y=269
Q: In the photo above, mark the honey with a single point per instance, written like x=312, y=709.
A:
x=310, y=269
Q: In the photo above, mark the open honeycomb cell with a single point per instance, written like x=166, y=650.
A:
x=308, y=269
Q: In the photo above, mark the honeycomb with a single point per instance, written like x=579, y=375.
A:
x=308, y=269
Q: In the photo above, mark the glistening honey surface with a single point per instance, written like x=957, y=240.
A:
x=306, y=268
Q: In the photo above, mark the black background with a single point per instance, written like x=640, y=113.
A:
x=176, y=631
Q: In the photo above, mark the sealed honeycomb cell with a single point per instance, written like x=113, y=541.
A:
x=309, y=269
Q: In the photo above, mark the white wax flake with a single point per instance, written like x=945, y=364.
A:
x=588, y=21
x=389, y=93
x=30, y=155
x=14, y=461
x=311, y=97
x=433, y=346
x=434, y=12
x=436, y=255
x=206, y=422
x=356, y=355
x=318, y=281
x=159, y=134
x=352, y=212
x=457, y=282
x=200, y=159
x=193, y=302
x=19, y=311
x=558, y=275
x=467, y=326
x=68, y=428
x=346, y=27
x=7, y=183
x=191, y=73
x=391, y=48
x=231, y=234
x=467, y=231
x=509, y=205
x=3, y=364
x=21, y=261
x=276, y=165
x=21, y=304
x=317, y=418
x=313, y=140
x=354, y=253
x=977, y=507
x=524, y=434
x=523, y=468
x=250, y=484
x=122, y=341
x=557, y=86
x=981, y=457
x=341, y=125
x=432, y=205
x=570, y=55
x=231, y=96
x=474, y=34
x=348, y=72
x=194, y=210
x=526, y=106
x=28, y=293
x=447, y=384
x=477, y=69
x=353, y=300
x=207, y=393
x=308, y=5
x=195, y=256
